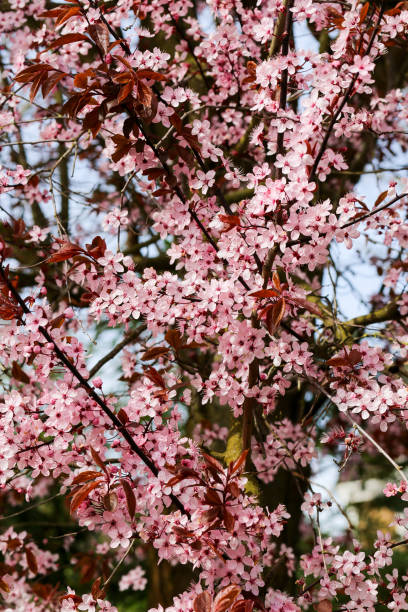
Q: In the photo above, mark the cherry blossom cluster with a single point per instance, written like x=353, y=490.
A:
x=186, y=173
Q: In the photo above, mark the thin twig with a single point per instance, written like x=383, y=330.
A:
x=117, y=566
x=30, y=507
x=127, y=340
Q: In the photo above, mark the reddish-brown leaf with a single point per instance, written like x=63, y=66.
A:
x=183, y=474
x=100, y=34
x=4, y=586
x=55, y=12
x=97, y=248
x=364, y=11
x=31, y=560
x=155, y=377
x=150, y=74
x=49, y=84
x=231, y=221
x=97, y=592
x=27, y=75
x=202, y=602
x=161, y=192
x=153, y=173
x=81, y=80
x=382, y=195
x=173, y=337
x=174, y=480
x=9, y=309
x=211, y=462
x=325, y=605
x=212, y=498
x=57, y=322
x=310, y=306
x=110, y=501
x=130, y=497
x=82, y=494
x=233, y=489
x=125, y=91
x=144, y=93
x=85, y=476
x=264, y=293
x=37, y=82
x=274, y=315
x=176, y=122
x=120, y=152
x=67, y=250
x=92, y=121
x=226, y=598
x=350, y=359
x=68, y=14
x=243, y=605
x=276, y=280
x=129, y=126
x=337, y=362
x=229, y=521
x=155, y=351
x=123, y=417
x=18, y=373
x=238, y=464
x=98, y=459
x=68, y=39
x=354, y=357
x=77, y=102
x=123, y=61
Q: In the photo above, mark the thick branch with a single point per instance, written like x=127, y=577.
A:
x=390, y=312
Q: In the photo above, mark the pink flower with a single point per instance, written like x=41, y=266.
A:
x=135, y=580
x=204, y=180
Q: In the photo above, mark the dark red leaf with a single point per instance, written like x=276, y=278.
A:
x=82, y=494
x=212, y=498
x=98, y=459
x=100, y=34
x=68, y=39
x=210, y=461
x=68, y=14
x=264, y=293
x=155, y=351
x=85, y=476
x=173, y=337
x=31, y=560
x=337, y=362
x=226, y=598
x=229, y=521
x=238, y=464
x=130, y=498
x=67, y=250
x=325, y=605
x=202, y=602
x=155, y=377
x=150, y=74
x=243, y=605
x=97, y=592
x=18, y=373
x=123, y=417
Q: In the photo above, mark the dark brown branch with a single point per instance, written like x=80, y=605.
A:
x=344, y=101
x=91, y=391
x=116, y=349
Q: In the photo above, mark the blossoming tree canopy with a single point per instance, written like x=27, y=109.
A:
x=180, y=189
